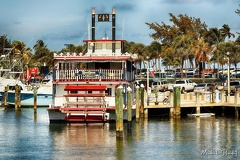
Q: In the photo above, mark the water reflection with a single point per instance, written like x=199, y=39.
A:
x=152, y=138
x=85, y=140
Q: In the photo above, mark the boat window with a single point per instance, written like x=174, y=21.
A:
x=109, y=91
x=118, y=45
x=98, y=45
x=13, y=88
x=73, y=92
x=108, y=45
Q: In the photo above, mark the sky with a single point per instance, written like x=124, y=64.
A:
x=59, y=22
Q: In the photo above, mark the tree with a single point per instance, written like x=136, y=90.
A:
x=21, y=54
x=238, y=11
x=226, y=32
x=201, y=51
x=42, y=55
x=140, y=50
x=214, y=37
x=182, y=48
x=183, y=29
x=155, y=50
x=233, y=49
x=4, y=43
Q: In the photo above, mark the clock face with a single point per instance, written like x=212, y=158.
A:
x=103, y=17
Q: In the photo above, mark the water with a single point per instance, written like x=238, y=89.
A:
x=24, y=135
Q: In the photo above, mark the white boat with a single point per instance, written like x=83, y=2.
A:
x=202, y=115
x=84, y=85
x=44, y=93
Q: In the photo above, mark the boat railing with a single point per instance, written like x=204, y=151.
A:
x=88, y=74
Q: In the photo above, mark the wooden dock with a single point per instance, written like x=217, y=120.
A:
x=193, y=100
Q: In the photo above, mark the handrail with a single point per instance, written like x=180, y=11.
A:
x=89, y=74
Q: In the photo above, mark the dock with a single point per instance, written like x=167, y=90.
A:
x=193, y=100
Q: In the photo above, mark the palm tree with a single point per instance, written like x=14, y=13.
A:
x=201, y=51
x=4, y=43
x=39, y=44
x=140, y=50
x=226, y=32
x=170, y=60
x=182, y=48
x=233, y=49
x=214, y=37
x=155, y=50
x=42, y=54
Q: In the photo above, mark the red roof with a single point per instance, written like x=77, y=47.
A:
x=85, y=88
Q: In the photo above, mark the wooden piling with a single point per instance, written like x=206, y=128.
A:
x=145, y=104
x=236, y=112
x=198, y=111
x=129, y=108
x=202, y=96
x=17, y=97
x=191, y=95
x=176, y=102
x=222, y=96
x=137, y=103
x=197, y=98
x=6, y=96
x=35, y=98
x=223, y=99
x=142, y=100
x=198, y=102
x=129, y=104
x=119, y=112
x=236, y=96
x=185, y=95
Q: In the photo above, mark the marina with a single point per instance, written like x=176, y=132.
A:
x=84, y=83
x=19, y=87
x=25, y=135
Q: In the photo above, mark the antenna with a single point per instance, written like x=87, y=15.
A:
x=88, y=31
x=123, y=28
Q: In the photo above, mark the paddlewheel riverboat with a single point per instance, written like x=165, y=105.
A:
x=84, y=84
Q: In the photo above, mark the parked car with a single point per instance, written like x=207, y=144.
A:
x=220, y=82
x=184, y=84
x=160, y=85
x=144, y=82
x=237, y=87
x=233, y=85
x=203, y=87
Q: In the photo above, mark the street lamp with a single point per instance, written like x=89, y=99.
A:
x=228, y=78
x=147, y=62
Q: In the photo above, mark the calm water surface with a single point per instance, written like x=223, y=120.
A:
x=24, y=135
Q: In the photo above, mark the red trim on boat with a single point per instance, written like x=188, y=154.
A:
x=104, y=40
x=95, y=58
x=85, y=88
x=82, y=109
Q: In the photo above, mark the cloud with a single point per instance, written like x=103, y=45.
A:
x=126, y=7
x=59, y=21
x=215, y=2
